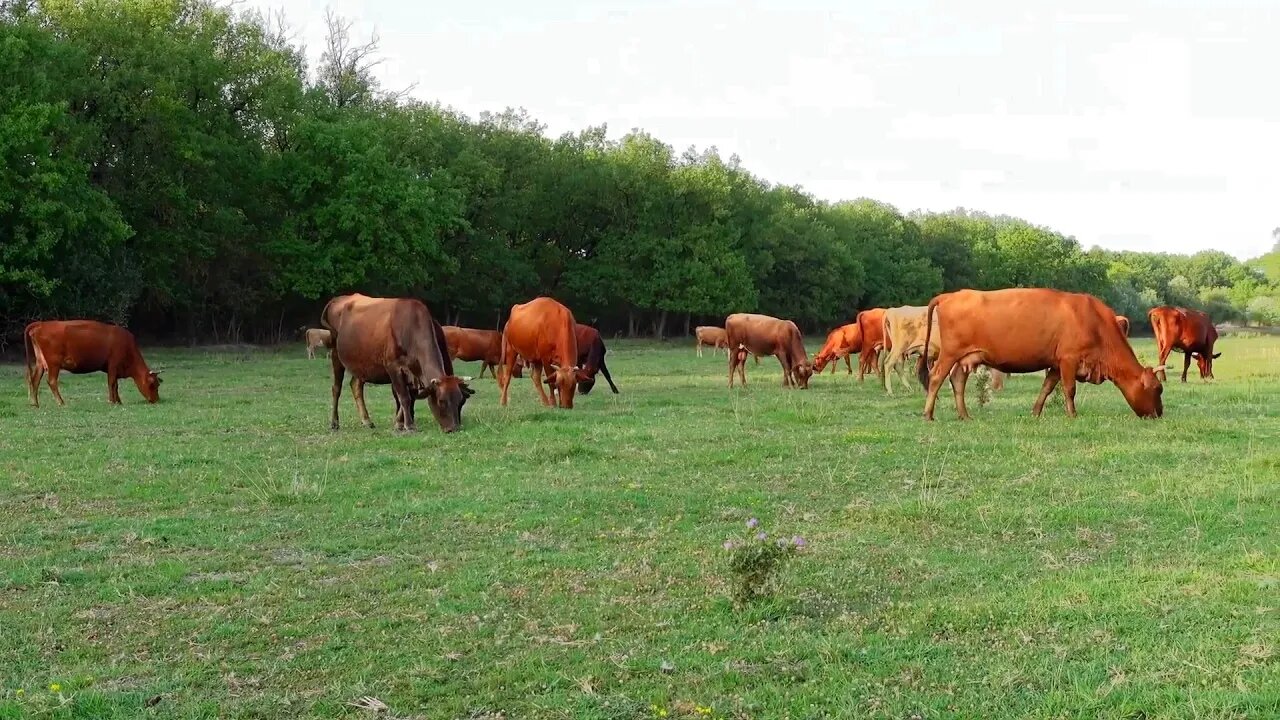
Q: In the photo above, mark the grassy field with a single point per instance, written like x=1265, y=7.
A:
x=223, y=554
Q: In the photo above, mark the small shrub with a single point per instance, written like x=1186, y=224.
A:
x=755, y=558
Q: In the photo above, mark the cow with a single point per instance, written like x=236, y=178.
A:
x=871, y=325
x=591, y=352
x=765, y=335
x=905, y=333
x=393, y=341
x=543, y=333
x=711, y=336
x=316, y=338
x=1123, y=323
x=472, y=344
x=85, y=346
x=1190, y=331
x=1020, y=330
x=841, y=343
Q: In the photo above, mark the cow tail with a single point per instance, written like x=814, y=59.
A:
x=922, y=365
x=29, y=350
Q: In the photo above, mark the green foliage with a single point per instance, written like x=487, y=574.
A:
x=173, y=164
x=755, y=558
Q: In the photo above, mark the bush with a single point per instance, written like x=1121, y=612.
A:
x=754, y=559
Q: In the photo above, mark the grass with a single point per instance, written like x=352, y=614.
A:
x=223, y=554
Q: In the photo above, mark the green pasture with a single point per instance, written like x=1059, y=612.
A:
x=225, y=555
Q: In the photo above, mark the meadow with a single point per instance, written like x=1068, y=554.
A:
x=224, y=554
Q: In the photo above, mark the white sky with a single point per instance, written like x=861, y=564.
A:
x=1129, y=124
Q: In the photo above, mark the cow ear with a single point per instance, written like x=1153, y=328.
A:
x=1217, y=355
x=433, y=384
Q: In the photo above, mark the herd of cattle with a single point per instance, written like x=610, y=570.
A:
x=397, y=342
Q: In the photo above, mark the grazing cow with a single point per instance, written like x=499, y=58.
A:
x=1123, y=322
x=472, y=344
x=711, y=336
x=85, y=346
x=1019, y=330
x=905, y=332
x=316, y=338
x=765, y=335
x=841, y=343
x=393, y=341
x=1190, y=331
x=591, y=352
x=871, y=325
x=543, y=332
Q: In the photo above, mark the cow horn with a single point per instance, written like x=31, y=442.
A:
x=1160, y=369
x=157, y=372
x=466, y=378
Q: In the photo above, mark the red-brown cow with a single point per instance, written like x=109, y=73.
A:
x=1072, y=335
x=543, y=332
x=841, y=343
x=871, y=325
x=472, y=344
x=85, y=346
x=1190, y=331
x=393, y=341
x=765, y=335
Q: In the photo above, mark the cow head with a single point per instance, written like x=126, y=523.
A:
x=446, y=396
x=801, y=374
x=584, y=386
x=819, y=362
x=1144, y=393
x=150, y=386
x=564, y=381
x=1205, y=364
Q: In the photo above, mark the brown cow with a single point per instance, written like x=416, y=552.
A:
x=711, y=336
x=841, y=343
x=871, y=324
x=591, y=352
x=85, y=346
x=1190, y=331
x=316, y=338
x=472, y=344
x=1072, y=335
x=543, y=332
x=1123, y=322
x=393, y=341
x=765, y=335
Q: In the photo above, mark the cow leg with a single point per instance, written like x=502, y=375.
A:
x=604, y=370
x=1164, y=355
x=33, y=384
x=848, y=364
x=1186, y=365
x=1069, y=388
x=113, y=388
x=339, y=372
x=733, y=366
x=311, y=352
x=404, y=399
x=939, y=373
x=786, y=370
x=959, y=377
x=53, y=384
x=891, y=365
x=1051, y=378
x=357, y=393
x=537, y=384
x=698, y=347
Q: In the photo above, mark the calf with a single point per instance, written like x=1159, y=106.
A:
x=316, y=338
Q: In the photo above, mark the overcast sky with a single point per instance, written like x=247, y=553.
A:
x=1131, y=125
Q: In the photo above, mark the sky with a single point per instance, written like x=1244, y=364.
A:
x=1130, y=125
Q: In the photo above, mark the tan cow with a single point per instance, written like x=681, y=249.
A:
x=711, y=336
x=749, y=333
x=317, y=338
x=905, y=329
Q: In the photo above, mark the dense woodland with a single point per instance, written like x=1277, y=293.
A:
x=177, y=167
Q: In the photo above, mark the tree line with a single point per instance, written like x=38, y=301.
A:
x=176, y=166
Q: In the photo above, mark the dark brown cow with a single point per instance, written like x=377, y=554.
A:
x=85, y=346
x=1072, y=335
x=474, y=344
x=841, y=343
x=871, y=325
x=1190, y=331
x=765, y=335
x=591, y=352
x=393, y=341
x=542, y=331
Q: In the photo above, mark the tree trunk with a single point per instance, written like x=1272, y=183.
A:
x=688, y=322
x=631, y=322
x=660, y=325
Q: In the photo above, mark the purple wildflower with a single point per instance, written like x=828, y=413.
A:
x=761, y=536
x=728, y=544
x=752, y=524
x=798, y=541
